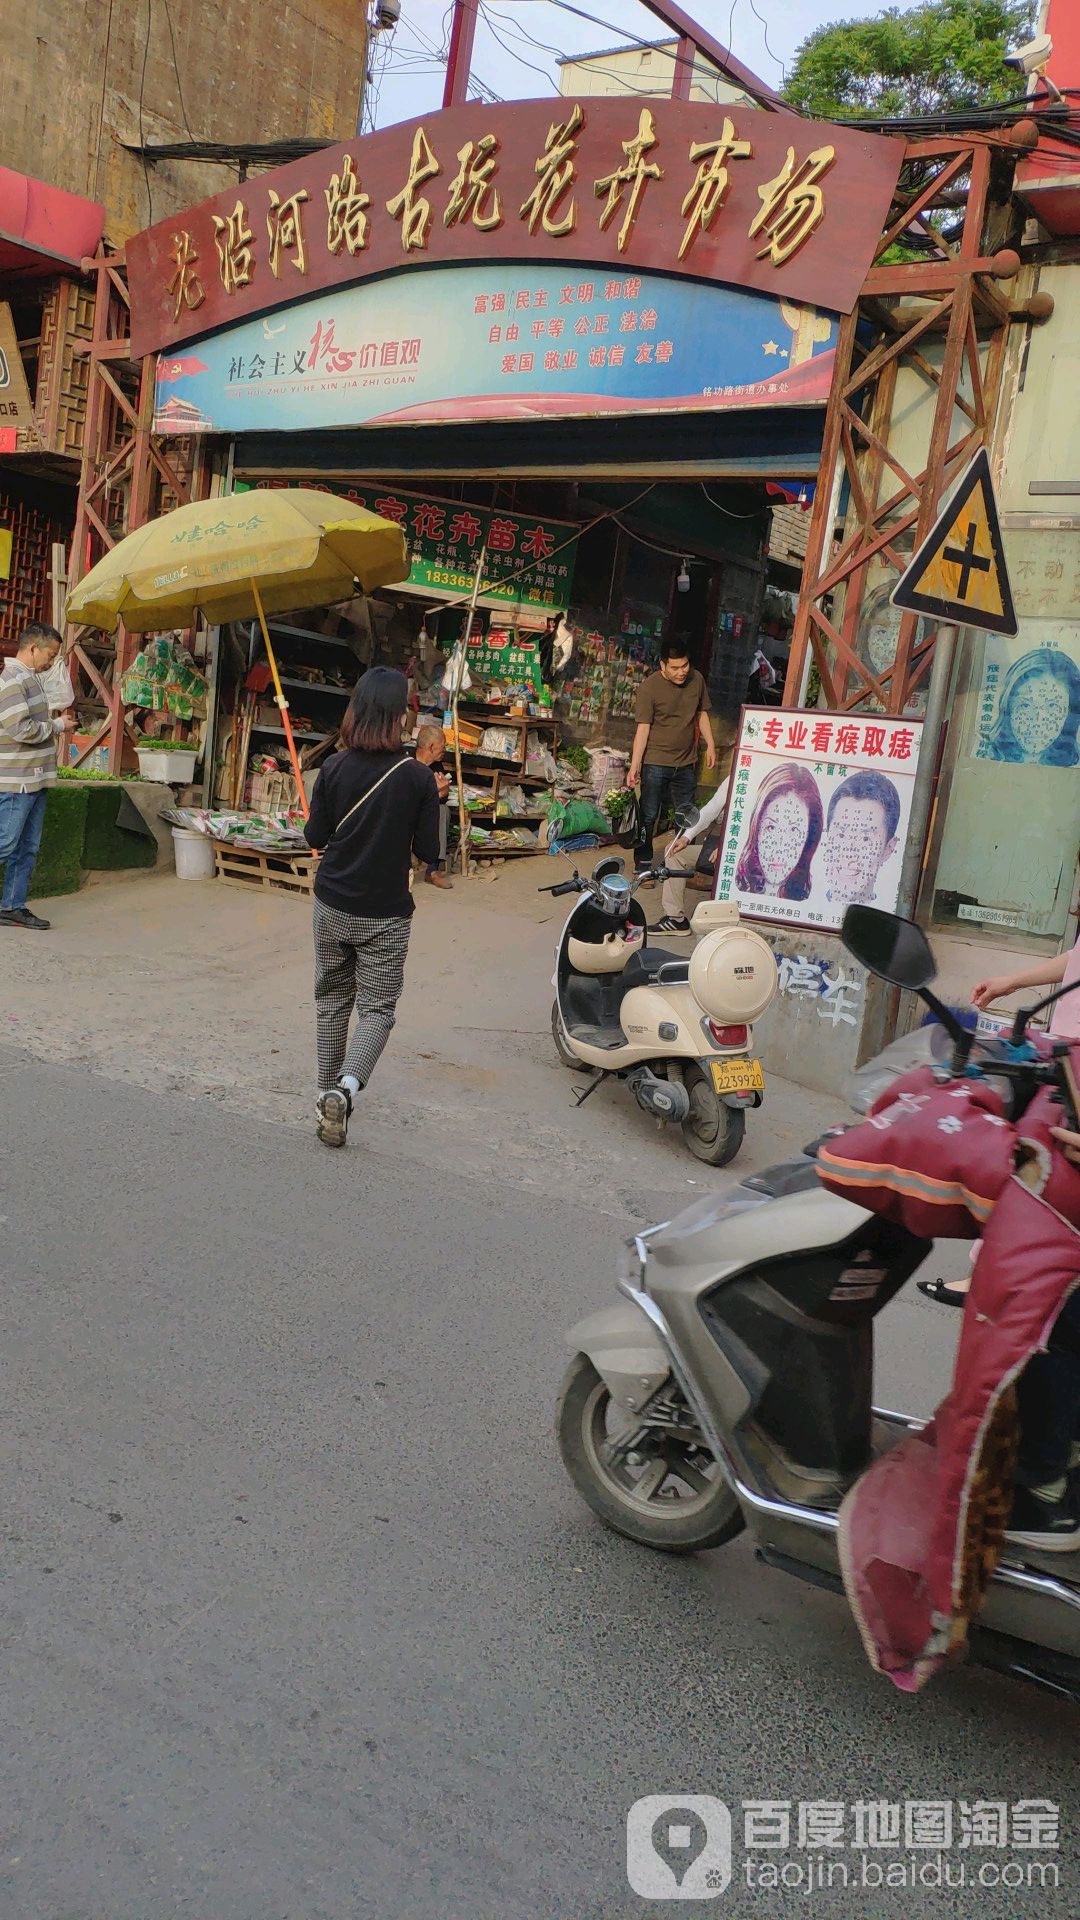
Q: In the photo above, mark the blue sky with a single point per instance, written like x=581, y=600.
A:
x=408, y=75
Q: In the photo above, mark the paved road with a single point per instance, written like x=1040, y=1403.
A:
x=302, y=1622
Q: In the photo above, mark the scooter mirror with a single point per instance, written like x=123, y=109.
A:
x=893, y=948
x=686, y=818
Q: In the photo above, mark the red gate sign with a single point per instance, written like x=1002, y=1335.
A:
x=761, y=200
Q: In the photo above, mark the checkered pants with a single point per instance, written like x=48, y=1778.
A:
x=362, y=963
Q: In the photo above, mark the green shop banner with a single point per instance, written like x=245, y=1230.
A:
x=529, y=560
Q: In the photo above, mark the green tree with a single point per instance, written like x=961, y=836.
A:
x=939, y=57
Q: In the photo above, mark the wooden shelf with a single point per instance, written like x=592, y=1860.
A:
x=314, y=686
x=305, y=633
x=299, y=735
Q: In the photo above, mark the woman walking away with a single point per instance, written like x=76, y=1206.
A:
x=372, y=810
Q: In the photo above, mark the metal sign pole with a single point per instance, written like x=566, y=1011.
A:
x=922, y=795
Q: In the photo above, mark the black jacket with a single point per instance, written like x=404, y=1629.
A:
x=365, y=868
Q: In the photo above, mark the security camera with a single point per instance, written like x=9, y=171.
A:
x=387, y=15
x=1032, y=56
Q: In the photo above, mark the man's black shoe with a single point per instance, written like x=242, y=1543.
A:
x=22, y=917
x=1048, y=1526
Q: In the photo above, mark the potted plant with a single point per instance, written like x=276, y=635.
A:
x=620, y=805
x=170, y=761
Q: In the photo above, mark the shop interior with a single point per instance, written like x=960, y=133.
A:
x=582, y=581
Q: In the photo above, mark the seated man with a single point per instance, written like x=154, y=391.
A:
x=682, y=855
x=430, y=749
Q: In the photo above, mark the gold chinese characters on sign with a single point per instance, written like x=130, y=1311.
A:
x=346, y=210
x=234, y=240
x=185, y=288
x=284, y=225
x=709, y=191
x=409, y=206
x=554, y=179
x=792, y=204
x=631, y=178
x=473, y=194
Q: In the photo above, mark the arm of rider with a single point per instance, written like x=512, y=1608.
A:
x=637, y=752
x=1042, y=973
x=705, y=724
x=707, y=818
x=1070, y=1141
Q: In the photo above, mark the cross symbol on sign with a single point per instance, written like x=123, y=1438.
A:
x=967, y=560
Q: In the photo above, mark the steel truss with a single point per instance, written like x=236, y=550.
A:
x=129, y=476
x=935, y=310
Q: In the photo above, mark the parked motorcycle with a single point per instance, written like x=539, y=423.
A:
x=678, y=1030
x=732, y=1386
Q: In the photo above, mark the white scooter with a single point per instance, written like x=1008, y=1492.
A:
x=678, y=1030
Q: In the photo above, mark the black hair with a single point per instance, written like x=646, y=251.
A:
x=675, y=648
x=870, y=786
x=372, y=723
x=39, y=633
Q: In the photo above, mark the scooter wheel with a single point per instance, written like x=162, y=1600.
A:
x=663, y=1489
x=712, y=1131
x=562, y=1044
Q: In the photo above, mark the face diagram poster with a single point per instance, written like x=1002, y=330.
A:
x=817, y=814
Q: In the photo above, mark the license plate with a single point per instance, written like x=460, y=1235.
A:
x=737, y=1076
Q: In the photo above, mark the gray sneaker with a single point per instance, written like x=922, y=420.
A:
x=333, y=1111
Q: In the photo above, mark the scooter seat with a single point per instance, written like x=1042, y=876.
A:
x=642, y=968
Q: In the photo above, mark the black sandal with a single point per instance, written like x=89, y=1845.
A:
x=941, y=1293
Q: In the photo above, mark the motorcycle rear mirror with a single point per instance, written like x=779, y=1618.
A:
x=687, y=818
x=893, y=948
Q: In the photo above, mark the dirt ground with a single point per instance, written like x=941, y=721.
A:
x=205, y=989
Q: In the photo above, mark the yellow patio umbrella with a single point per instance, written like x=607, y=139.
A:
x=247, y=553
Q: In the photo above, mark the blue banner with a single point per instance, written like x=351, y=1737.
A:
x=500, y=343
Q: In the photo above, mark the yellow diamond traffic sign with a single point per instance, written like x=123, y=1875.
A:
x=958, y=572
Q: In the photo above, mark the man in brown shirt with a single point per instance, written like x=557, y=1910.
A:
x=672, y=710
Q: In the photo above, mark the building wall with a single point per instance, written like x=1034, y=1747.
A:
x=247, y=71
x=641, y=70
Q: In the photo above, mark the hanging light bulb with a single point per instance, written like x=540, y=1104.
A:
x=683, y=581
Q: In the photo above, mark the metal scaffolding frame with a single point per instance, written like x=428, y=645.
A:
x=939, y=287
x=129, y=476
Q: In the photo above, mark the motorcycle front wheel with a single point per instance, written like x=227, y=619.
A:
x=659, y=1486
x=713, y=1132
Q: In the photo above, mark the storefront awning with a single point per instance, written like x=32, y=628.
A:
x=767, y=445
x=44, y=230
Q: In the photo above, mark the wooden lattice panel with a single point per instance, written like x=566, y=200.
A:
x=27, y=593
x=63, y=374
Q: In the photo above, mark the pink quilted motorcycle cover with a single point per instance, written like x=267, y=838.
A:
x=921, y=1531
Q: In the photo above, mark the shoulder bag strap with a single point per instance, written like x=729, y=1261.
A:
x=364, y=797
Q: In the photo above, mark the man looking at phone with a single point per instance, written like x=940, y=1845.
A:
x=28, y=737
x=672, y=711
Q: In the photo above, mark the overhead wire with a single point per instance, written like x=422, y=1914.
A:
x=176, y=70
x=142, y=97
x=702, y=76
x=649, y=46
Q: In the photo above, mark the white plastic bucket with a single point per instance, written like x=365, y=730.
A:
x=194, y=855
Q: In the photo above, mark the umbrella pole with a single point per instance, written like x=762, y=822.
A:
x=283, y=705
x=459, y=675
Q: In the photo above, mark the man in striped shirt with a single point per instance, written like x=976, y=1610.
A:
x=28, y=737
